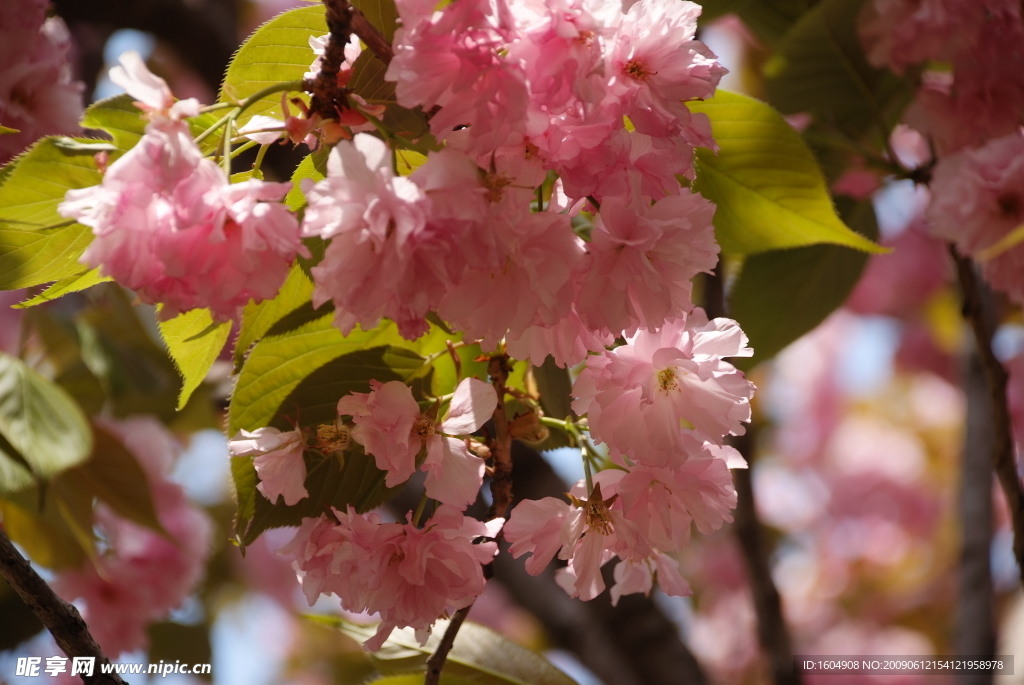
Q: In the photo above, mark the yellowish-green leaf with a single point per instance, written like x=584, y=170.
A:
x=194, y=340
x=7, y=130
x=765, y=181
x=68, y=284
x=257, y=319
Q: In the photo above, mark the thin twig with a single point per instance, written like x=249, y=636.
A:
x=1003, y=459
x=60, y=618
x=501, y=479
x=436, y=661
x=373, y=38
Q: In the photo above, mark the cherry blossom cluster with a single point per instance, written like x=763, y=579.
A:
x=143, y=573
x=970, y=108
x=37, y=93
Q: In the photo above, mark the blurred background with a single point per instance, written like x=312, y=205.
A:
x=857, y=450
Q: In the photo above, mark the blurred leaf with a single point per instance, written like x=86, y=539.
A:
x=15, y=474
x=555, y=387
x=172, y=642
x=194, y=341
x=479, y=654
x=7, y=130
x=37, y=245
x=382, y=14
x=19, y=622
x=114, y=475
x=820, y=68
x=368, y=82
x=767, y=185
x=258, y=318
x=119, y=117
x=46, y=528
x=68, y=284
x=40, y=420
x=768, y=19
x=277, y=51
x=781, y=295
x=62, y=347
x=278, y=363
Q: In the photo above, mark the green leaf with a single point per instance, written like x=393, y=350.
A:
x=368, y=82
x=781, y=295
x=56, y=530
x=7, y=130
x=64, y=286
x=258, y=318
x=277, y=51
x=194, y=341
x=119, y=117
x=768, y=19
x=113, y=475
x=37, y=245
x=767, y=185
x=820, y=68
x=19, y=622
x=312, y=166
x=383, y=14
x=278, y=363
x=40, y=420
x=61, y=343
x=15, y=474
x=479, y=654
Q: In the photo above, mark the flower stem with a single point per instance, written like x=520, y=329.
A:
x=418, y=514
x=256, y=173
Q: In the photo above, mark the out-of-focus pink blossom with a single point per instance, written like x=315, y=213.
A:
x=143, y=574
x=278, y=462
x=641, y=261
x=391, y=428
x=151, y=93
x=898, y=283
x=37, y=93
x=637, y=396
x=977, y=199
x=655, y=66
x=408, y=575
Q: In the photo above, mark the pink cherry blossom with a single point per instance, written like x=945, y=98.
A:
x=390, y=426
x=641, y=262
x=37, y=93
x=142, y=574
x=656, y=65
x=453, y=58
x=384, y=425
x=567, y=341
x=383, y=259
x=977, y=199
x=409, y=576
x=278, y=462
x=636, y=396
x=151, y=92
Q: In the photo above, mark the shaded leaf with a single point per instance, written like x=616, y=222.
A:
x=194, y=341
x=820, y=68
x=781, y=295
x=42, y=527
x=19, y=622
x=767, y=185
x=768, y=19
x=258, y=318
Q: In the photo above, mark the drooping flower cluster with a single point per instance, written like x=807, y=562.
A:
x=143, y=573
x=663, y=404
x=518, y=91
x=408, y=575
x=37, y=93
x=169, y=224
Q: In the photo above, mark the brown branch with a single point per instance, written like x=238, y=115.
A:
x=60, y=618
x=501, y=479
x=373, y=38
x=436, y=661
x=772, y=632
x=976, y=311
x=328, y=97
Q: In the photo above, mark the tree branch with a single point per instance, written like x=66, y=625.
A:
x=373, y=38
x=436, y=661
x=60, y=618
x=328, y=97
x=501, y=479
x=980, y=316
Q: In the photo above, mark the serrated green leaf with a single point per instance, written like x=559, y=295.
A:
x=194, y=340
x=66, y=285
x=820, y=68
x=781, y=295
x=37, y=245
x=277, y=51
x=113, y=475
x=40, y=420
x=278, y=363
x=478, y=654
x=258, y=318
x=766, y=183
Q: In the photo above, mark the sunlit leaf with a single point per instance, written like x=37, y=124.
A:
x=258, y=318
x=194, y=341
x=766, y=183
x=68, y=284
